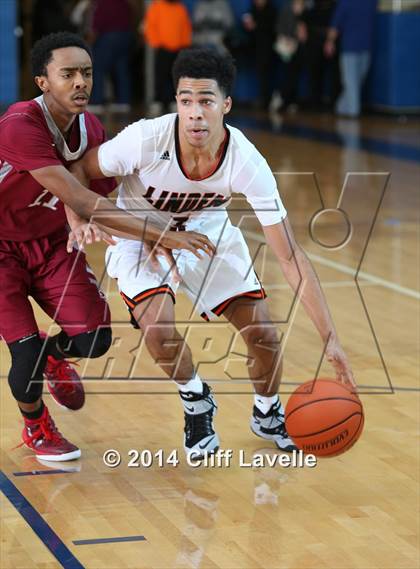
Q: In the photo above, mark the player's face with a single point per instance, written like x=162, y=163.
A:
x=68, y=82
x=201, y=108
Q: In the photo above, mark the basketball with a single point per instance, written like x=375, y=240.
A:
x=324, y=418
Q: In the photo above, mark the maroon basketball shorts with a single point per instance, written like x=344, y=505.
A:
x=61, y=283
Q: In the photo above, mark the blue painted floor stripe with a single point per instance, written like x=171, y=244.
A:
x=109, y=540
x=347, y=140
x=48, y=537
x=40, y=472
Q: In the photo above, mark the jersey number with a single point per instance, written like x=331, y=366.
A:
x=51, y=202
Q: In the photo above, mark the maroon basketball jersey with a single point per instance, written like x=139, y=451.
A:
x=30, y=139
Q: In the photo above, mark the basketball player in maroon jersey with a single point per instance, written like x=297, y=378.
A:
x=38, y=141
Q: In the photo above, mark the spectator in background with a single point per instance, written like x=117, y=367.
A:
x=51, y=16
x=261, y=21
x=112, y=49
x=289, y=45
x=80, y=17
x=212, y=21
x=167, y=29
x=317, y=18
x=353, y=21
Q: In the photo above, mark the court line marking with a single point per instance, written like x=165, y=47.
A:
x=40, y=472
x=348, y=270
x=35, y=521
x=109, y=540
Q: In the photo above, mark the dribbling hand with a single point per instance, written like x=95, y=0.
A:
x=338, y=359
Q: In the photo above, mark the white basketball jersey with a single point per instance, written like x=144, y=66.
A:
x=147, y=155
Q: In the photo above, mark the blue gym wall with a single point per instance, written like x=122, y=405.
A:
x=9, y=64
x=394, y=80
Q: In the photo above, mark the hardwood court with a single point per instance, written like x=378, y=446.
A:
x=356, y=511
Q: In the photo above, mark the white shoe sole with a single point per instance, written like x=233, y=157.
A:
x=58, y=457
x=275, y=438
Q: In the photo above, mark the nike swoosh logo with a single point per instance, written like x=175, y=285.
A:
x=207, y=443
x=190, y=409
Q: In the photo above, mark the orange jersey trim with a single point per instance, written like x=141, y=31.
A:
x=220, y=308
x=133, y=302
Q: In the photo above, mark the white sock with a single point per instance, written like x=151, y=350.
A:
x=264, y=403
x=195, y=385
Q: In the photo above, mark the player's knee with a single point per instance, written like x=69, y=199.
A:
x=26, y=372
x=263, y=334
x=92, y=344
x=103, y=341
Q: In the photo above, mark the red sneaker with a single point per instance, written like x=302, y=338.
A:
x=63, y=382
x=41, y=436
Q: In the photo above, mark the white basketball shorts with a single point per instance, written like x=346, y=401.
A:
x=211, y=283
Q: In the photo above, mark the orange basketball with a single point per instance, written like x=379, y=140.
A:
x=324, y=418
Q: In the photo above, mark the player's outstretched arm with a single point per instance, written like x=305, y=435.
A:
x=83, y=232
x=87, y=168
x=89, y=205
x=301, y=276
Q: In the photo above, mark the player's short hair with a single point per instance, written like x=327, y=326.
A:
x=205, y=63
x=41, y=53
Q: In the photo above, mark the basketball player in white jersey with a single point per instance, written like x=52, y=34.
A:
x=181, y=170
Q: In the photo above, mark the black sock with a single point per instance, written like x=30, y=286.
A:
x=33, y=414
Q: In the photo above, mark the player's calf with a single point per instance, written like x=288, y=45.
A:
x=26, y=372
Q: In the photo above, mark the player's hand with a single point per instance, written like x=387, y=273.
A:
x=154, y=251
x=87, y=233
x=190, y=240
x=338, y=359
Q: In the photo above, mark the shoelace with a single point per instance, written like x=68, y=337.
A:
x=62, y=370
x=279, y=429
x=210, y=401
x=199, y=424
x=47, y=429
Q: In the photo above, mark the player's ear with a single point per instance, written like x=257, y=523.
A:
x=227, y=105
x=42, y=83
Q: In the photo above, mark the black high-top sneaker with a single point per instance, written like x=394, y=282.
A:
x=270, y=426
x=199, y=410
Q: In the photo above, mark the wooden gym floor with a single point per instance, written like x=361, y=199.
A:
x=356, y=511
